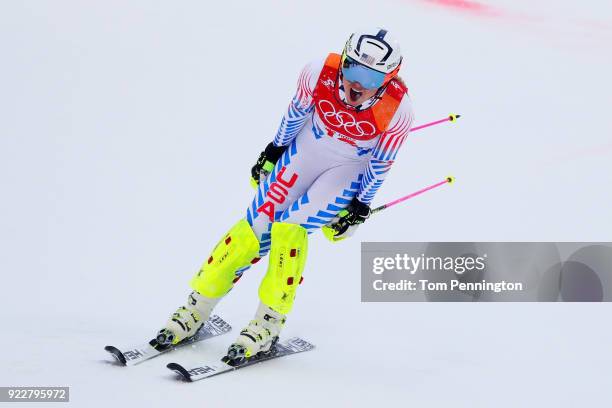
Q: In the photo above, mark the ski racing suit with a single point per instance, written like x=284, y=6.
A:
x=333, y=154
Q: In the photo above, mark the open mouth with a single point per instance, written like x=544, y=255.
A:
x=354, y=95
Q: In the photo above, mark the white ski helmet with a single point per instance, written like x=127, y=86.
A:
x=377, y=50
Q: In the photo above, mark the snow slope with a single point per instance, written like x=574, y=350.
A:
x=127, y=131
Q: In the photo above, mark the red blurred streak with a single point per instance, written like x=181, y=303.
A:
x=466, y=6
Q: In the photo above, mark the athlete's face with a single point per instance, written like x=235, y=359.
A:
x=355, y=93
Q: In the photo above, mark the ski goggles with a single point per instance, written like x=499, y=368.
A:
x=356, y=72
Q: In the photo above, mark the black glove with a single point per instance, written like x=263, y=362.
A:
x=265, y=163
x=356, y=213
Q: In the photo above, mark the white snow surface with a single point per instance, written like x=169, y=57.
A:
x=127, y=133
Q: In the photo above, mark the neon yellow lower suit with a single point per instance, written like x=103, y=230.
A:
x=237, y=249
x=288, y=251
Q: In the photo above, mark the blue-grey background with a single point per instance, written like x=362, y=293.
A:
x=127, y=131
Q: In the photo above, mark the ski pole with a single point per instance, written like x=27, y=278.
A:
x=331, y=230
x=450, y=118
x=449, y=180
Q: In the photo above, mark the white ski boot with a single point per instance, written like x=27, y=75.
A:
x=258, y=337
x=187, y=320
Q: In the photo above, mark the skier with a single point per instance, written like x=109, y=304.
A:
x=335, y=144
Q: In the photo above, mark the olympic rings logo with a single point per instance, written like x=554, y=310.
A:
x=345, y=120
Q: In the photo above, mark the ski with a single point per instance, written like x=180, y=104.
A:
x=281, y=349
x=215, y=326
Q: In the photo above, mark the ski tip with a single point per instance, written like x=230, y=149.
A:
x=180, y=370
x=453, y=117
x=300, y=344
x=115, y=352
x=221, y=325
x=450, y=179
